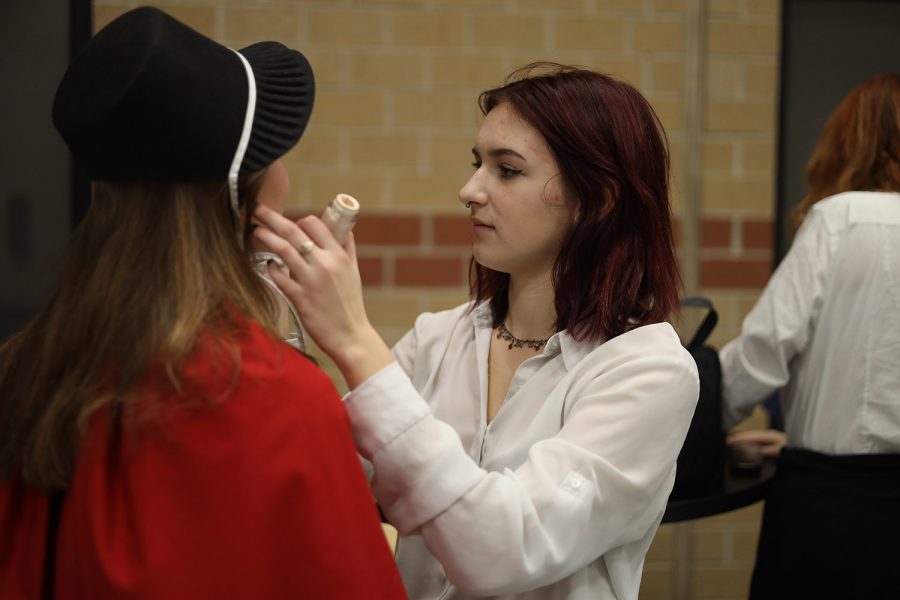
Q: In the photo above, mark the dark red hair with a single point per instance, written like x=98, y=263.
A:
x=618, y=268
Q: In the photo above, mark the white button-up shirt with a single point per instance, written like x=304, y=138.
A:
x=827, y=328
x=560, y=495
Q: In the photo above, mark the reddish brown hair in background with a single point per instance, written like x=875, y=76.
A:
x=860, y=146
x=618, y=269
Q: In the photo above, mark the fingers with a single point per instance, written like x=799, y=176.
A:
x=770, y=441
x=291, y=288
x=294, y=291
x=771, y=450
x=286, y=241
x=741, y=437
x=756, y=436
x=350, y=247
x=277, y=222
x=318, y=232
x=287, y=250
x=304, y=244
x=307, y=228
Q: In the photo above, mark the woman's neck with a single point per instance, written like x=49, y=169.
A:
x=532, y=308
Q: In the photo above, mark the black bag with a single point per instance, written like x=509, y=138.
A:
x=701, y=463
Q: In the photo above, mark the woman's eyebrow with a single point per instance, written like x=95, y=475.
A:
x=500, y=152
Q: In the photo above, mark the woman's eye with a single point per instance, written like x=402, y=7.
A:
x=507, y=173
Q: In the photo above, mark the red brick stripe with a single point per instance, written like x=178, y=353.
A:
x=429, y=271
x=715, y=233
x=452, y=231
x=371, y=271
x=380, y=234
x=718, y=273
x=387, y=230
x=758, y=235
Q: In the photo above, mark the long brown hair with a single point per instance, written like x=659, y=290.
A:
x=860, y=145
x=150, y=268
x=618, y=268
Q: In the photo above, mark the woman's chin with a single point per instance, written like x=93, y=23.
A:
x=488, y=263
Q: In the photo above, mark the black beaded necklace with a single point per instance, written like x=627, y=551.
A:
x=514, y=342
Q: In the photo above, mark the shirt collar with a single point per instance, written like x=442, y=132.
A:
x=572, y=350
x=484, y=318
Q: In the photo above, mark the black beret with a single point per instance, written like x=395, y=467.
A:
x=151, y=99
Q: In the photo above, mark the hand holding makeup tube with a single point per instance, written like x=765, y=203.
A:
x=340, y=217
x=325, y=287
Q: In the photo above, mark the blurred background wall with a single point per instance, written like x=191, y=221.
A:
x=394, y=122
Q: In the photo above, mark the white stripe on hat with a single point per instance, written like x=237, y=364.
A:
x=245, y=137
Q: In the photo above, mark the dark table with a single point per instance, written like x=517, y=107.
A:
x=737, y=491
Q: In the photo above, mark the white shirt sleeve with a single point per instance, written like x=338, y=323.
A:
x=608, y=472
x=779, y=326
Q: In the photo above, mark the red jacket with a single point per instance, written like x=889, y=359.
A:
x=254, y=494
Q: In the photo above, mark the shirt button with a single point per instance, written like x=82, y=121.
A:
x=575, y=483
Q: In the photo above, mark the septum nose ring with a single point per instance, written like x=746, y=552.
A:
x=468, y=204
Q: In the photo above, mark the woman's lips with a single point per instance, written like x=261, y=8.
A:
x=479, y=226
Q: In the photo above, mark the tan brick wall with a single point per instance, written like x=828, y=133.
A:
x=394, y=121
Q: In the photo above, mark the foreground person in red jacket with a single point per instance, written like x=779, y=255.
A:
x=157, y=438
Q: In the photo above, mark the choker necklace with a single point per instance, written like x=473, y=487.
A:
x=514, y=342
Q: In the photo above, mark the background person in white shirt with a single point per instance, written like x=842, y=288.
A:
x=826, y=332
x=524, y=443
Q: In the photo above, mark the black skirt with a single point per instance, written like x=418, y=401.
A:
x=830, y=529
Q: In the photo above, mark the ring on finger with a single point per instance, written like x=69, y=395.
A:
x=306, y=247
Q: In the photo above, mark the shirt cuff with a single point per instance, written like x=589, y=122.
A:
x=383, y=407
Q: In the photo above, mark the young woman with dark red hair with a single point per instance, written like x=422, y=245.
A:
x=524, y=443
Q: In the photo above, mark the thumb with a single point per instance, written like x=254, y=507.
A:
x=350, y=247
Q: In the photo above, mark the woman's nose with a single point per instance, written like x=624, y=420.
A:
x=470, y=193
